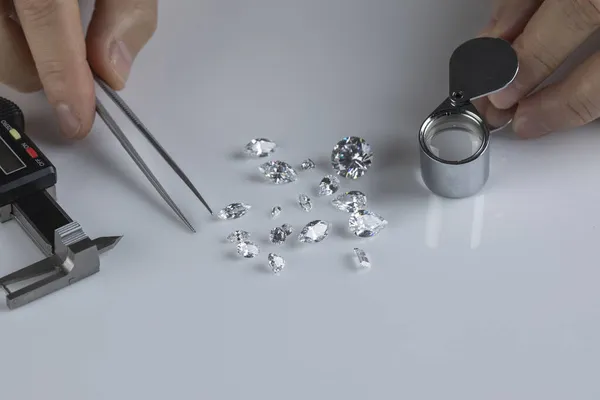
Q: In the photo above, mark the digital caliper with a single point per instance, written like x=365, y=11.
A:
x=28, y=195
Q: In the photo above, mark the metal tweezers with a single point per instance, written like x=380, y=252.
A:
x=128, y=146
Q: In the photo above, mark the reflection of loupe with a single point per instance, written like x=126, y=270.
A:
x=455, y=138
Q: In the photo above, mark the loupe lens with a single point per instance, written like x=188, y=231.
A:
x=454, y=137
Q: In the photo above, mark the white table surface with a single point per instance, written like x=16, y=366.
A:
x=492, y=297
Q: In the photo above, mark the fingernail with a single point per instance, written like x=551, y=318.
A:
x=69, y=124
x=530, y=126
x=120, y=59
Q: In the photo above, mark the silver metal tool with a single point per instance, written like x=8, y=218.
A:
x=455, y=139
x=28, y=195
x=128, y=146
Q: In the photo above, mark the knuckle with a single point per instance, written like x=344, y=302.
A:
x=587, y=11
x=37, y=10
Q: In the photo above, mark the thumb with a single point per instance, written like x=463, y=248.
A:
x=118, y=31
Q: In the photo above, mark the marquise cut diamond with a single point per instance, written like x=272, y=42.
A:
x=234, y=211
x=351, y=201
x=314, y=232
x=260, y=147
x=278, y=172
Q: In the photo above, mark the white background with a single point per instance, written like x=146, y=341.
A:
x=492, y=297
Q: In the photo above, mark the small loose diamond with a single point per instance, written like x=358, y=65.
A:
x=247, y=249
x=234, y=211
x=351, y=157
x=314, y=232
x=365, y=223
x=275, y=212
x=278, y=236
x=305, y=202
x=351, y=201
x=238, y=236
x=278, y=172
x=260, y=147
x=363, y=259
x=307, y=164
x=329, y=185
x=277, y=263
x=287, y=229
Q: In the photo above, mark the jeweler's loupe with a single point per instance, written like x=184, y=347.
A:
x=455, y=138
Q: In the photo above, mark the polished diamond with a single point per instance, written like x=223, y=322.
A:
x=278, y=236
x=351, y=201
x=314, y=232
x=277, y=263
x=238, y=236
x=275, y=212
x=363, y=259
x=260, y=147
x=278, y=172
x=307, y=164
x=305, y=202
x=234, y=211
x=287, y=228
x=247, y=249
x=365, y=223
x=351, y=157
x=329, y=185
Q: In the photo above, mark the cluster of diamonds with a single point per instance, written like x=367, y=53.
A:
x=351, y=157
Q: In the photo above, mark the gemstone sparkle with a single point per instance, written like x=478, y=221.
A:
x=307, y=164
x=305, y=202
x=314, y=232
x=275, y=212
x=365, y=223
x=287, y=228
x=351, y=157
x=329, y=185
x=238, y=236
x=278, y=172
x=351, y=201
x=276, y=262
x=260, y=147
x=234, y=211
x=247, y=249
x=278, y=236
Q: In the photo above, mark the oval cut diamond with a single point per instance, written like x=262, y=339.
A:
x=351, y=157
x=278, y=172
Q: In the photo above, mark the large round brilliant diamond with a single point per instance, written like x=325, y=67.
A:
x=351, y=157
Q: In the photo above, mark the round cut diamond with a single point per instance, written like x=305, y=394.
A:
x=234, y=211
x=247, y=249
x=351, y=157
x=278, y=172
x=277, y=263
x=278, y=236
x=365, y=223
x=238, y=236
x=351, y=201
x=260, y=147
x=329, y=185
x=314, y=232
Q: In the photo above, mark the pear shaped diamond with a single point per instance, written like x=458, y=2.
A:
x=260, y=147
x=278, y=172
x=276, y=262
x=314, y=232
x=329, y=185
x=365, y=223
x=234, y=211
x=351, y=201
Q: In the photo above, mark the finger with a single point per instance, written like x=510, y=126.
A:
x=509, y=17
x=493, y=116
x=55, y=36
x=568, y=104
x=17, y=68
x=557, y=29
x=117, y=33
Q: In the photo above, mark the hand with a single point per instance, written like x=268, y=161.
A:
x=544, y=33
x=42, y=45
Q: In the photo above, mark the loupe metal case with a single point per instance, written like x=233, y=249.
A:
x=478, y=68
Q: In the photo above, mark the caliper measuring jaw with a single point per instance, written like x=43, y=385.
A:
x=70, y=257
